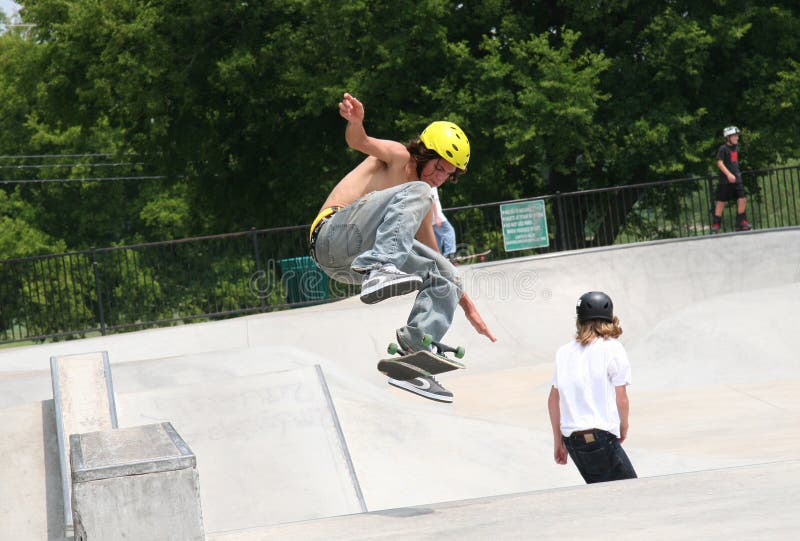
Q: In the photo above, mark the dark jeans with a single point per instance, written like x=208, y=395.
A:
x=600, y=460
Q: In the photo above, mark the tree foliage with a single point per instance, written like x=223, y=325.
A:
x=232, y=104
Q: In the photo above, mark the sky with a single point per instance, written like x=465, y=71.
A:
x=8, y=6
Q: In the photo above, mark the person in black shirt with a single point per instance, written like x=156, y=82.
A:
x=730, y=185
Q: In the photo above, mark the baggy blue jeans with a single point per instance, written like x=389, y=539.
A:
x=604, y=459
x=380, y=228
x=445, y=238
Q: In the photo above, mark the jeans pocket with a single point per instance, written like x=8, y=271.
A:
x=595, y=462
x=344, y=243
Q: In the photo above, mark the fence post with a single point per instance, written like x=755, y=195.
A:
x=561, y=226
x=98, y=292
x=254, y=235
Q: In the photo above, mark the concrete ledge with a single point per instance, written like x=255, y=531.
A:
x=83, y=396
x=104, y=455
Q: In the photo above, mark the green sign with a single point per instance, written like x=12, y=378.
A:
x=524, y=225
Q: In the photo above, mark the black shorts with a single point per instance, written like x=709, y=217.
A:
x=729, y=191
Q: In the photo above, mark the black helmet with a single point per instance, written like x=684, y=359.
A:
x=595, y=305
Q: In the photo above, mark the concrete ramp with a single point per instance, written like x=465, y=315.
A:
x=405, y=452
x=715, y=406
x=264, y=443
x=530, y=303
x=739, y=337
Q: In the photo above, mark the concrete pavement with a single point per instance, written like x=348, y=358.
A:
x=709, y=505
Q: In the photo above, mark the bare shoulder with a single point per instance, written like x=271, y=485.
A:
x=392, y=153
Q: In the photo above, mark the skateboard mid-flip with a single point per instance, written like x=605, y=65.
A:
x=481, y=256
x=408, y=366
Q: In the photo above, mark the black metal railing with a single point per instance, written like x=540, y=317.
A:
x=155, y=284
x=106, y=290
x=678, y=208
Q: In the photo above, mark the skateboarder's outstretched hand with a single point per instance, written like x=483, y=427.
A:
x=351, y=109
x=475, y=318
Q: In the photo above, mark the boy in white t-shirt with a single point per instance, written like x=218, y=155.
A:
x=588, y=401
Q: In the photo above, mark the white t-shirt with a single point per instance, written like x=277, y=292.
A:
x=438, y=214
x=586, y=377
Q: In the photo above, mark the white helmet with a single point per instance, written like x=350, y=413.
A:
x=730, y=130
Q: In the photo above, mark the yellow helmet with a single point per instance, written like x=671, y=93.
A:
x=448, y=141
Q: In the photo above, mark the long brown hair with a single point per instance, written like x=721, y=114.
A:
x=423, y=155
x=592, y=329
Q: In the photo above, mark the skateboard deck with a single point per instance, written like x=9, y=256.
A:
x=479, y=256
x=420, y=363
x=395, y=368
x=410, y=365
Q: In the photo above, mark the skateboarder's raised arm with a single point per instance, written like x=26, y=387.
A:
x=356, y=136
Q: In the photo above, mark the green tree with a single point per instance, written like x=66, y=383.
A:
x=234, y=103
x=19, y=237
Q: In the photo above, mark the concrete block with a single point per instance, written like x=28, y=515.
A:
x=135, y=483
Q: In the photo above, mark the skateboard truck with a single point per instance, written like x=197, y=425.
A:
x=427, y=340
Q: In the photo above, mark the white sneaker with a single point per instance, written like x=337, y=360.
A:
x=388, y=281
x=426, y=386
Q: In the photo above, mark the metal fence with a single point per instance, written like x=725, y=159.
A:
x=636, y=213
x=166, y=283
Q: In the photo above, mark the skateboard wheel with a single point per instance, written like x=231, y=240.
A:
x=460, y=352
x=393, y=348
x=427, y=340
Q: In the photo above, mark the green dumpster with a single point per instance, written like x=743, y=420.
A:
x=303, y=280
